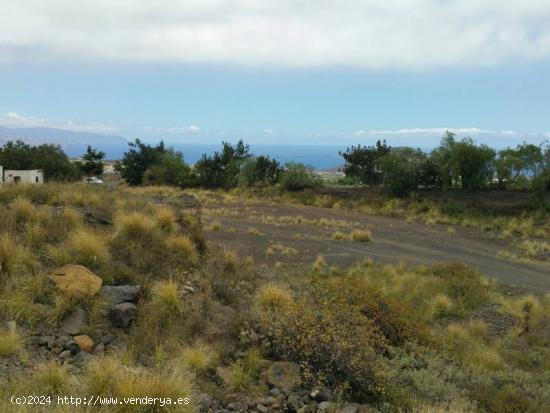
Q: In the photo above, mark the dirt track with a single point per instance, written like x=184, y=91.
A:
x=393, y=240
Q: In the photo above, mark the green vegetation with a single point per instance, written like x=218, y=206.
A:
x=92, y=162
x=50, y=158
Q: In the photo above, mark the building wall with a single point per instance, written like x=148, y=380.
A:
x=35, y=176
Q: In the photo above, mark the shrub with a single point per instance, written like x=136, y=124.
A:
x=319, y=265
x=230, y=261
x=297, y=177
x=134, y=225
x=339, y=236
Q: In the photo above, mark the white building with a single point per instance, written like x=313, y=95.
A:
x=33, y=176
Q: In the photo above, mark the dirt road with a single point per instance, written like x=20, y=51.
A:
x=297, y=234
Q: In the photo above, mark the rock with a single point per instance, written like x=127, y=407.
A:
x=326, y=407
x=284, y=375
x=204, y=401
x=261, y=408
x=47, y=341
x=320, y=394
x=293, y=403
x=117, y=294
x=99, y=349
x=123, y=314
x=275, y=392
x=84, y=342
x=75, y=322
x=76, y=280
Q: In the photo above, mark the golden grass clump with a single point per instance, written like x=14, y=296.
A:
x=88, y=248
x=273, y=297
x=165, y=220
x=166, y=298
x=199, y=357
x=319, y=265
x=50, y=378
x=214, y=226
x=253, y=231
x=440, y=305
x=11, y=341
x=58, y=254
x=182, y=246
x=339, y=236
x=109, y=377
x=361, y=235
x=230, y=260
x=23, y=209
x=134, y=225
x=13, y=256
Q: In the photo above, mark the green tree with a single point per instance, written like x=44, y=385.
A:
x=93, y=162
x=297, y=176
x=50, y=158
x=170, y=169
x=526, y=161
x=401, y=169
x=138, y=159
x=463, y=163
x=259, y=170
x=222, y=169
x=361, y=162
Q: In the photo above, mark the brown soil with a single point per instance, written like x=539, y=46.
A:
x=393, y=240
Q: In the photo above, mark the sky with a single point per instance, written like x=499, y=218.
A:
x=329, y=72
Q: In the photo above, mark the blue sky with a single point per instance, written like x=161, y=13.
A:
x=338, y=72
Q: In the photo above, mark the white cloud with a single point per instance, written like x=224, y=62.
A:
x=16, y=120
x=268, y=132
x=370, y=33
x=430, y=131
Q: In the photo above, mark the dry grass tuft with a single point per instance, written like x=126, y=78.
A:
x=88, y=248
x=11, y=341
x=273, y=297
x=361, y=235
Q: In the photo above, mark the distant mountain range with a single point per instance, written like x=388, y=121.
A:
x=73, y=143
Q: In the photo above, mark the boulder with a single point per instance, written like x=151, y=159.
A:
x=284, y=375
x=84, y=342
x=117, y=294
x=123, y=314
x=75, y=322
x=76, y=280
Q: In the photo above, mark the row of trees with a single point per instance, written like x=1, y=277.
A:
x=233, y=166
x=453, y=164
x=51, y=159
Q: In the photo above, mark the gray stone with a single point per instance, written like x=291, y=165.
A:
x=284, y=375
x=123, y=314
x=325, y=407
x=261, y=408
x=99, y=349
x=204, y=401
x=117, y=294
x=293, y=402
x=275, y=392
x=75, y=322
x=320, y=394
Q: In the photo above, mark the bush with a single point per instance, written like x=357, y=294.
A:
x=199, y=357
x=88, y=249
x=297, y=177
x=272, y=297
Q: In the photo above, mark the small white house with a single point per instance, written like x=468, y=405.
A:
x=33, y=176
